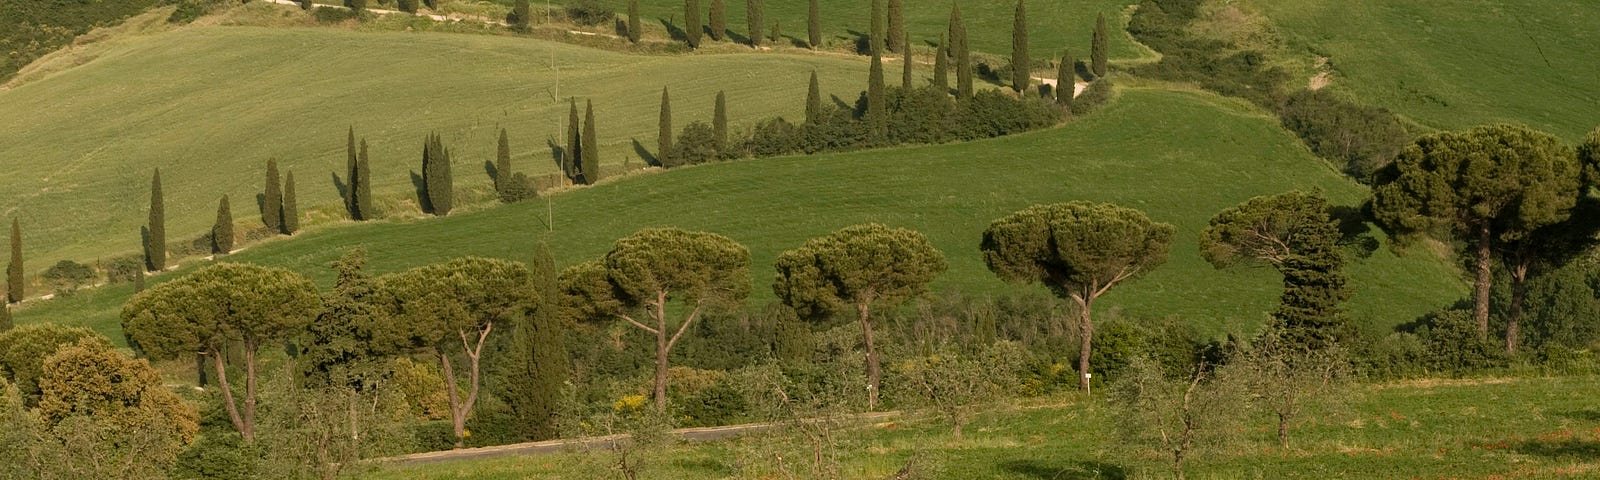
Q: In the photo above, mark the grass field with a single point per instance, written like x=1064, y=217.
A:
x=210, y=105
x=1475, y=429
x=1452, y=64
x=1179, y=156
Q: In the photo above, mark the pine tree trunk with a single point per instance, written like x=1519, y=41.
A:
x=456, y=420
x=1480, y=309
x=661, y=355
x=1519, y=294
x=227, y=396
x=249, y=391
x=874, y=373
x=1086, y=337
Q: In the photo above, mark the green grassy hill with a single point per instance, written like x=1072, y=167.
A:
x=1453, y=64
x=1179, y=156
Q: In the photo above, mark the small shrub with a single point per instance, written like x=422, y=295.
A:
x=1360, y=139
x=331, y=15
x=191, y=10
x=356, y=6
x=518, y=188
x=773, y=137
x=409, y=6
x=697, y=144
x=219, y=456
x=122, y=269
x=590, y=12
x=66, y=276
x=1097, y=94
x=1454, y=346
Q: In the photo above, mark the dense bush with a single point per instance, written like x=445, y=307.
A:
x=773, y=137
x=1361, y=139
x=31, y=29
x=697, y=144
x=408, y=6
x=122, y=269
x=992, y=113
x=1163, y=25
x=518, y=187
x=1097, y=94
x=190, y=10
x=67, y=275
x=1561, y=310
x=590, y=12
x=219, y=455
x=1451, y=344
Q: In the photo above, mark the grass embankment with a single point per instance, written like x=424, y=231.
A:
x=1455, y=64
x=1526, y=428
x=1180, y=156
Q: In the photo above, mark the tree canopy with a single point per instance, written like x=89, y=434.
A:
x=1295, y=234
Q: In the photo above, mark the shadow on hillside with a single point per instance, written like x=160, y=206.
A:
x=1573, y=449
x=1355, y=234
x=862, y=40
x=1085, y=470
x=649, y=158
x=421, y=187
x=344, y=190
x=734, y=37
x=675, y=32
x=1583, y=415
x=492, y=171
x=557, y=153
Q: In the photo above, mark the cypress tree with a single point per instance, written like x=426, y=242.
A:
x=719, y=20
x=502, y=163
x=423, y=196
x=536, y=358
x=570, y=158
x=691, y=23
x=1065, y=79
x=222, y=231
x=776, y=34
x=155, y=247
x=591, y=149
x=352, y=178
x=963, y=57
x=905, y=60
x=877, y=114
x=755, y=19
x=272, y=199
x=719, y=122
x=291, y=208
x=875, y=42
x=941, y=64
x=635, y=28
x=436, y=175
x=1021, y=65
x=664, y=133
x=521, y=15
x=814, y=24
x=1097, y=49
x=814, y=101
x=365, y=210
x=138, y=282
x=5, y=317
x=897, y=38
x=14, y=290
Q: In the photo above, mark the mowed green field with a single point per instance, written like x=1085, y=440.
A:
x=1546, y=428
x=1181, y=157
x=1452, y=64
x=209, y=106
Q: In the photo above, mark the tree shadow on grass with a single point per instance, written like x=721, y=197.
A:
x=674, y=31
x=421, y=187
x=1572, y=448
x=649, y=158
x=492, y=171
x=1085, y=470
x=1584, y=415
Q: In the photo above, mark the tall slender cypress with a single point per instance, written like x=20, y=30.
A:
x=664, y=132
x=877, y=113
x=635, y=26
x=814, y=24
x=1021, y=65
x=502, y=163
x=272, y=199
x=155, y=247
x=814, y=101
x=436, y=176
x=365, y=210
x=691, y=23
x=719, y=20
x=719, y=122
x=591, y=148
x=14, y=290
x=423, y=196
x=875, y=42
x=536, y=357
x=960, y=53
x=1065, y=81
x=352, y=177
x=941, y=64
x=755, y=18
x=905, y=67
x=291, y=208
x=222, y=230
x=569, y=164
x=897, y=38
x=1097, y=48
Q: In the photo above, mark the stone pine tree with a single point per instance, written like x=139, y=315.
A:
x=877, y=109
x=875, y=42
x=691, y=23
x=1097, y=48
x=291, y=207
x=155, y=246
x=906, y=73
x=664, y=131
x=718, y=17
x=645, y=273
x=960, y=53
x=1079, y=250
x=1021, y=65
x=222, y=231
x=941, y=64
x=591, y=147
x=14, y=290
x=365, y=210
x=635, y=25
x=502, y=163
x=896, y=38
x=1487, y=186
x=719, y=122
x=535, y=356
x=1066, y=81
x=814, y=101
x=814, y=24
x=352, y=177
x=1295, y=234
x=853, y=270
x=755, y=20
x=272, y=199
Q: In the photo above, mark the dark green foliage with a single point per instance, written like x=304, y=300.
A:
x=521, y=17
x=919, y=115
x=408, y=6
x=23, y=351
x=590, y=163
x=352, y=177
x=573, y=152
x=897, y=39
x=664, y=129
x=1361, y=139
x=941, y=65
x=31, y=29
x=5, y=318
x=272, y=198
x=1294, y=233
x=877, y=104
x=122, y=269
x=635, y=24
x=697, y=144
x=718, y=18
x=960, y=53
x=14, y=286
x=776, y=33
x=532, y=364
x=1098, y=46
x=67, y=275
x=1021, y=65
x=691, y=23
x=875, y=41
x=502, y=163
x=1164, y=26
x=307, y=5
x=992, y=113
x=291, y=207
x=362, y=189
x=754, y=19
x=357, y=6
x=1560, y=306
x=348, y=342
x=772, y=137
x=155, y=245
x=814, y=24
x=1589, y=156
x=1096, y=94
x=191, y=10
x=220, y=456
x=1066, y=81
x=222, y=230
x=590, y=12
x=1453, y=345
x=438, y=189
x=719, y=121
x=813, y=101
x=906, y=64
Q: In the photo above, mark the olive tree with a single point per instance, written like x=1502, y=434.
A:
x=1079, y=250
x=645, y=272
x=451, y=308
x=854, y=269
x=1488, y=186
x=1295, y=234
x=219, y=306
